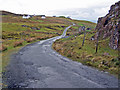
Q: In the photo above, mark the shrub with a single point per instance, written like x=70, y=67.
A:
x=69, y=55
x=39, y=38
x=62, y=16
x=3, y=48
x=30, y=40
x=50, y=36
x=18, y=43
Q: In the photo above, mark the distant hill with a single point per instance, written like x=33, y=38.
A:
x=9, y=13
x=14, y=14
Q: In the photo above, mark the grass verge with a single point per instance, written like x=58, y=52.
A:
x=106, y=59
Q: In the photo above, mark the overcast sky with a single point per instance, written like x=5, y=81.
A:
x=76, y=9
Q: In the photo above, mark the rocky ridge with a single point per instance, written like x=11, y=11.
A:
x=108, y=27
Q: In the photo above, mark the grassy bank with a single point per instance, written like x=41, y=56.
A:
x=71, y=47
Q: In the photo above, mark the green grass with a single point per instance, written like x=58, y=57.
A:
x=80, y=24
x=36, y=20
x=71, y=47
x=12, y=27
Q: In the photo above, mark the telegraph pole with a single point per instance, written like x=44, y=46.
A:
x=83, y=27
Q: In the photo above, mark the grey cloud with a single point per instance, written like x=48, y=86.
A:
x=89, y=14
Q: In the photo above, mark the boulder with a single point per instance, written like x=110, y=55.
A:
x=88, y=29
x=24, y=26
x=92, y=38
x=35, y=28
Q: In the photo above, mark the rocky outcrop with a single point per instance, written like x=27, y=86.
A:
x=109, y=26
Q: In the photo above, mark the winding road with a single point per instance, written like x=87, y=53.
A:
x=39, y=66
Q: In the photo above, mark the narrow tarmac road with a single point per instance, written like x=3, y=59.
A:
x=39, y=66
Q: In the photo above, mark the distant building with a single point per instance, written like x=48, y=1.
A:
x=68, y=17
x=26, y=16
x=43, y=16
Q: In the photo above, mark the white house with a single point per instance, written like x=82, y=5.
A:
x=26, y=16
x=43, y=16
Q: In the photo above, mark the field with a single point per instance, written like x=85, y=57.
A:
x=18, y=32
x=71, y=46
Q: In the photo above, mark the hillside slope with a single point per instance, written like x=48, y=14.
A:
x=109, y=26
